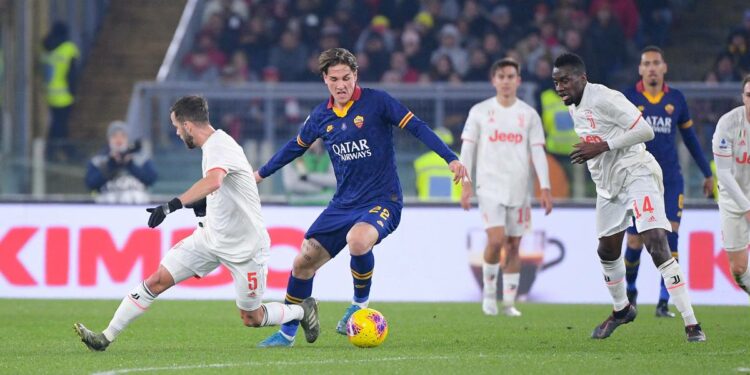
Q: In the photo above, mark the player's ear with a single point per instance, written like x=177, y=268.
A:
x=666, y=68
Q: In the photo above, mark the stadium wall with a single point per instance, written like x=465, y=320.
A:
x=100, y=251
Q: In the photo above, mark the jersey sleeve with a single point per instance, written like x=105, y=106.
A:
x=471, y=128
x=394, y=112
x=309, y=132
x=536, y=132
x=721, y=143
x=683, y=118
x=624, y=113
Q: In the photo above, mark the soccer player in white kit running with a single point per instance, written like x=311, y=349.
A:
x=500, y=133
x=731, y=147
x=628, y=184
x=232, y=233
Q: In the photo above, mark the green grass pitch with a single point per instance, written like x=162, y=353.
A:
x=207, y=337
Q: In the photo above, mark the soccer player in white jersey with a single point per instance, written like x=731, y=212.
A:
x=628, y=184
x=731, y=147
x=503, y=134
x=232, y=233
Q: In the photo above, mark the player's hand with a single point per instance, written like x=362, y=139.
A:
x=258, y=179
x=158, y=213
x=199, y=207
x=708, y=187
x=466, y=192
x=460, y=173
x=586, y=151
x=545, y=199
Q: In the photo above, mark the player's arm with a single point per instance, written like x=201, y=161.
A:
x=202, y=188
x=539, y=159
x=722, y=149
x=291, y=150
x=693, y=145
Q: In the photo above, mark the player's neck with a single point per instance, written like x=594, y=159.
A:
x=202, y=135
x=338, y=105
x=506, y=101
x=655, y=89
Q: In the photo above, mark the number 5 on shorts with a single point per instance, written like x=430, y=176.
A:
x=252, y=280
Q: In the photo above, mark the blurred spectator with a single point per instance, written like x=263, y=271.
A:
x=271, y=74
x=548, y=34
x=473, y=14
x=725, y=70
x=400, y=71
x=424, y=24
x=504, y=27
x=656, y=17
x=492, y=47
x=378, y=56
x=256, y=43
x=608, y=42
x=226, y=7
x=380, y=26
x=365, y=73
x=60, y=69
x=479, y=65
x=237, y=70
x=120, y=173
x=442, y=70
x=450, y=45
x=737, y=48
x=312, y=73
x=624, y=11
x=310, y=179
x=286, y=57
x=418, y=57
x=573, y=42
x=204, y=62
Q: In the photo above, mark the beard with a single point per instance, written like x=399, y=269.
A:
x=189, y=141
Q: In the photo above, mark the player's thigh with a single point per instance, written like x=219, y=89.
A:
x=189, y=258
x=312, y=256
x=518, y=220
x=612, y=215
x=249, y=283
x=329, y=230
x=494, y=214
x=735, y=230
x=383, y=216
x=647, y=204
x=361, y=238
x=495, y=237
x=674, y=202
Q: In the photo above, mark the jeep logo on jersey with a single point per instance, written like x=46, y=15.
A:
x=359, y=121
x=660, y=124
x=498, y=136
x=352, y=150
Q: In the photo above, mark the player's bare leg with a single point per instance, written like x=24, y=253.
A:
x=739, y=267
x=656, y=244
x=311, y=257
x=613, y=267
x=511, y=275
x=131, y=307
x=491, y=269
x=360, y=239
x=633, y=250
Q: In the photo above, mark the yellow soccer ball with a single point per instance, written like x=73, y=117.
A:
x=367, y=328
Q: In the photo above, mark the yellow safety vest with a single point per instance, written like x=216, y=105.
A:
x=58, y=63
x=558, y=125
x=435, y=179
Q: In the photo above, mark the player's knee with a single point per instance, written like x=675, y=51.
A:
x=606, y=253
x=159, y=281
x=251, y=320
x=738, y=268
x=302, y=268
x=495, y=244
x=361, y=239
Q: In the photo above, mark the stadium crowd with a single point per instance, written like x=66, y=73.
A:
x=421, y=41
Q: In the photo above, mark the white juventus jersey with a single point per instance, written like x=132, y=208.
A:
x=503, y=138
x=233, y=226
x=601, y=115
x=730, y=141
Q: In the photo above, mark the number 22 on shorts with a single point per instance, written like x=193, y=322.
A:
x=645, y=207
x=384, y=213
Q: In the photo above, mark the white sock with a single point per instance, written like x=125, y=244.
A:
x=277, y=313
x=131, y=307
x=510, y=288
x=744, y=280
x=614, y=277
x=489, y=277
x=362, y=305
x=676, y=284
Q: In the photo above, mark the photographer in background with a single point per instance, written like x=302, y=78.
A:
x=120, y=173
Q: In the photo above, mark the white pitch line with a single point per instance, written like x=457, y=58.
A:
x=275, y=363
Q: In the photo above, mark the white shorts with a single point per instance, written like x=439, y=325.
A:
x=642, y=198
x=735, y=231
x=516, y=220
x=186, y=259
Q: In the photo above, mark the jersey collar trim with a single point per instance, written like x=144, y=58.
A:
x=653, y=99
x=342, y=112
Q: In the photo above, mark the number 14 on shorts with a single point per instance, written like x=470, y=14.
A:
x=644, y=206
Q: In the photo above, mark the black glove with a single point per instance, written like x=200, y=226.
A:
x=158, y=213
x=199, y=207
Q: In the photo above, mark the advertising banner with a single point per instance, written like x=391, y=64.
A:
x=102, y=251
